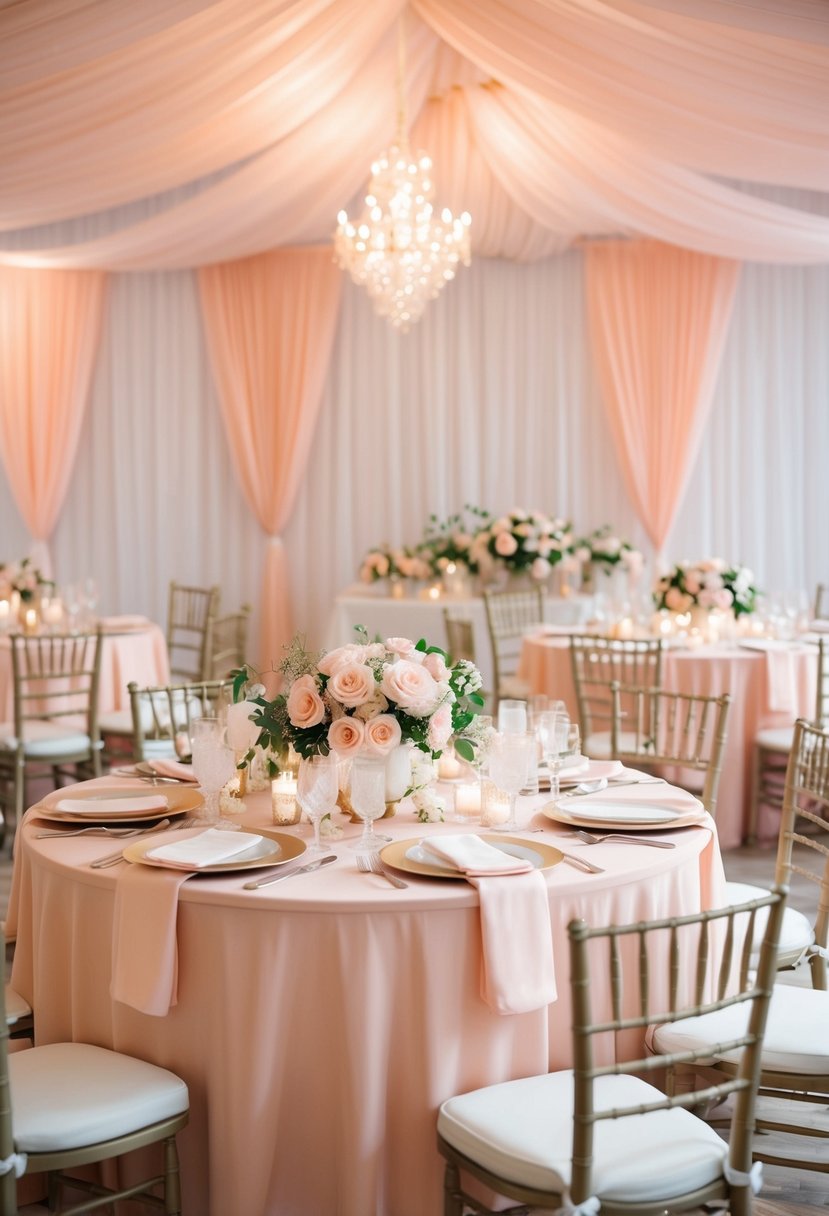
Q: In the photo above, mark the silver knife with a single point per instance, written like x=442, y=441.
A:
x=312, y=865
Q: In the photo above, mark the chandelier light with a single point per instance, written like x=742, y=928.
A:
x=401, y=250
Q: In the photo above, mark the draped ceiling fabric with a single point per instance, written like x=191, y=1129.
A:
x=271, y=322
x=250, y=122
x=658, y=319
x=50, y=322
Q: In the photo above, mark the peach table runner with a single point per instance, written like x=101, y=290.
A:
x=517, y=971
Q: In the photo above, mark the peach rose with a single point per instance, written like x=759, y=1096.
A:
x=382, y=734
x=440, y=728
x=335, y=659
x=346, y=736
x=304, y=704
x=435, y=664
x=677, y=600
x=352, y=685
x=402, y=646
x=411, y=686
x=505, y=544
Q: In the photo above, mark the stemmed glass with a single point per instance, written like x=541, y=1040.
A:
x=553, y=731
x=213, y=766
x=368, y=800
x=89, y=599
x=317, y=789
x=510, y=758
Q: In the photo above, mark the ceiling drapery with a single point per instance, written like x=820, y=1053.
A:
x=250, y=122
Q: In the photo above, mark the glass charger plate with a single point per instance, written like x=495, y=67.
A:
x=560, y=812
x=406, y=854
x=272, y=850
x=180, y=800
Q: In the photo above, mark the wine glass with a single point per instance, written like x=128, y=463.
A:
x=90, y=596
x=554, y=735
x=368, y=800
x=213, y=766
x=510, y=758
x=317, y=789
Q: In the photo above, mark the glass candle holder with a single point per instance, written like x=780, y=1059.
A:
x=494, y=805
x=286, y=808
x=468, y=801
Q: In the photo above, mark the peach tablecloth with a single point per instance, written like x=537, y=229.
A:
x=320, y=1022
x=767, y=690
x=138, y=654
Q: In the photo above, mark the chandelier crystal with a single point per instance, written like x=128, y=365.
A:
x=401, y=250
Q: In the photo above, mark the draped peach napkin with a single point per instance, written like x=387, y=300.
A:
x=518, y=972
x=144, y=947
x=173, y=768
x=781, y=680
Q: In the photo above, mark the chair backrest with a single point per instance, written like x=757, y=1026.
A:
x=821, y=608
x=509, y=615
x=822, y=706
x=597, y=661
x=660, y=971
x=56, y=676
x=804, y=825
x=190, y=617
x=162, y=715
x=460, y=634
x=228, y=642
x=671, y=728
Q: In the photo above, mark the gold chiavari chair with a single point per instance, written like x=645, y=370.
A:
x=162, y=715
x=228, y=642
x=597, y=662
x=509, y=616
x=190, y=617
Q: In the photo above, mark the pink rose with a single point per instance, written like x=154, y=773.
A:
x=440, y=728
x=335, y=659
x=505, y=544
x=677, y=600
x=692, y=582
x=540, y=568
x=412, y=687
x=382, y=734
x=723, y=598
x=401, y=646
x=346, y=736
x=304, y=703
x=352, y=685
x=435, y=664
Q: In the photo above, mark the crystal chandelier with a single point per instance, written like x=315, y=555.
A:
x=400, y=250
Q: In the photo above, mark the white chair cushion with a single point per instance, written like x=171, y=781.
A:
x=45, y=739
x=795, y=1040
x=775, y=739
x=16, y=1006
x=116, y=722
x=597, y=745
x=523, y=1131
x=796, y=932
x=66, y=1095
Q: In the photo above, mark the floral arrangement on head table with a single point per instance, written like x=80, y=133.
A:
x=367, y=697
x=22, y=577
x=711, y=583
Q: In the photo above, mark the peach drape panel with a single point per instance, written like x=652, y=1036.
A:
x=658, y=321
x=50, y=323
x=270, y=323
x=609, y=117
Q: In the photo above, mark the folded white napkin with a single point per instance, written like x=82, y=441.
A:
x=206, y=849
x=472, y=856
x=648, y=800
x=112, y=806
x=173, y=768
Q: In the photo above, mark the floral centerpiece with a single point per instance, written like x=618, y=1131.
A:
x=707, y=584
x=449, y=542
x=386, y=561
x=609, y=551
x=367, y=698
x=524, y=542
x=22, y=577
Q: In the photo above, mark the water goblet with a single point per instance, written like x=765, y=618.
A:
x=554, y=734
x=512, y=717
x=510, y=759
x=212, y=767
x=317, y=790
x=368, y=799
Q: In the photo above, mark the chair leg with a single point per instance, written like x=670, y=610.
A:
x=172, y=1179
x=756, y=787
x=452, y=1201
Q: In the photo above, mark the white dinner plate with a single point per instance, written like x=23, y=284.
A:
x=407, y=855
x=273, y=850
x=567, y=810
x=179, y=800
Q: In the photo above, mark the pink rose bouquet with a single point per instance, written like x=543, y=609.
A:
x=523, y=541
x=22, y=577
x=368, y=697
x=711, y=583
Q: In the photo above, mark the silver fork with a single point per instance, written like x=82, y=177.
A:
x=101, y=829
x=618, y=838
x=113, y=859
x=371, y=864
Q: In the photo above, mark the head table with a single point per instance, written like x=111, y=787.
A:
x=770, y=685
x=321, y=1021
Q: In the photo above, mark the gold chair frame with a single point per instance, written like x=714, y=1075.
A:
x=190, y=615
x=598, y=661
x=55, y=676
x=685, y=730
x=509, y=614
x=169, y=710
x=717, y=953
x=821, y=607
x=228, y=642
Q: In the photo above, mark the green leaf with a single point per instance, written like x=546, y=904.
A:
x=476, y=699
x=421, y=645
x=464, y=749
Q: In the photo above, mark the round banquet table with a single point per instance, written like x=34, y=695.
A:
x=321, y=1021
x=768, y=688
x=130, y=650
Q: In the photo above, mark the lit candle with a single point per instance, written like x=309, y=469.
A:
x=30, y=620
x=495, y=805
x=434, y=592
x=624, y=629
x=284, y=803
x=449, y=767
x=468, y=800
x=53, y=611
x=5, y=612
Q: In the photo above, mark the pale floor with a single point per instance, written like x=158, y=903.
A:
x=785, y=1192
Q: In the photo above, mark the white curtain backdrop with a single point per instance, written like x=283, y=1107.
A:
x=491, y=400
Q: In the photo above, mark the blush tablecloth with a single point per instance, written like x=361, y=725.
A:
x=766, y=689
x=127, y=653
x=321, y=1022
